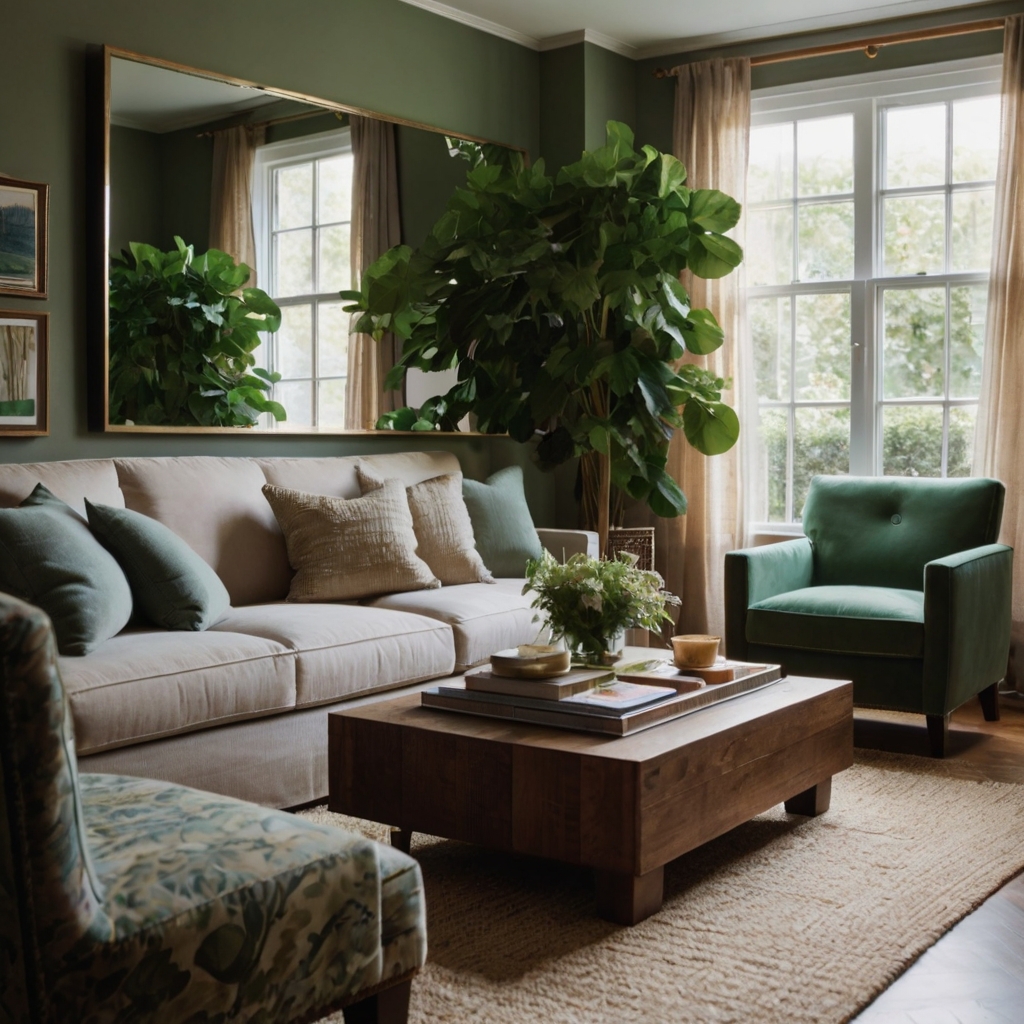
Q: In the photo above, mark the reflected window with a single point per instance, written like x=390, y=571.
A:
x=302, y=201
x=869, y=233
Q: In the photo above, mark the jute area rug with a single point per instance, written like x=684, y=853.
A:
x=784, y=919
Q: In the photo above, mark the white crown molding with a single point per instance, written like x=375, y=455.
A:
x=587, y=35
x=473, y=21
x=883, y=12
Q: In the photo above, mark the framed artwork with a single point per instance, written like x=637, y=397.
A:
x=24, y=382
x=23, y=227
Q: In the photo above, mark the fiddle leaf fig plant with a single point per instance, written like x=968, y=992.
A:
x=559, y=302
x=183, y=331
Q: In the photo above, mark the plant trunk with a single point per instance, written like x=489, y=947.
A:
x=595, y=501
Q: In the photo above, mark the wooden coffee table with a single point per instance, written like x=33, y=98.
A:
x=622, y=806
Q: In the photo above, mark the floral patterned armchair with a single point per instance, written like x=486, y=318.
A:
x=132, y=901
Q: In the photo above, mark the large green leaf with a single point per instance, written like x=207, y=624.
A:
x=713, y=210
x=702, y=332
x=666, y=497
x=713, y=256
x=711, y=428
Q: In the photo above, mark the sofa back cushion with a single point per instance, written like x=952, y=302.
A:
x=216, y=506
x=73, y=482
x=881, y=531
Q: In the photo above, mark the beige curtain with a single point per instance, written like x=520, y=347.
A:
x=999, y=440
x=711, y=136
x=231, y=230
x=375, y=229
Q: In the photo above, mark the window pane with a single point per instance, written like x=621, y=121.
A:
x=332, y=403
x=915, y=146
x=294, y=196
x=770, y=246
x=826, y=242
x=824, y=150
x=972, y=229
x=821, y=444
x=913, y=328
x=332, y=337
x=960, y=447
x=967, y=307
x=912, y=440
x=769, y=328
x=975, y=139
x=296, y=397
x=774, y=428
x=334, y=191
x=295, y=342
x=823, y=347
x=770, y=172
x=915, y=228
x=334, y=255
x=293, y=263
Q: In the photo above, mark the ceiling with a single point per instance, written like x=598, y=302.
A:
x=649, y=28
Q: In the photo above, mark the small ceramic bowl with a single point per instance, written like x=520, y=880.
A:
x=695, y=650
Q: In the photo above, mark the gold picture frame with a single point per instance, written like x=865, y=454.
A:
x=24, y=376
x=24, y=217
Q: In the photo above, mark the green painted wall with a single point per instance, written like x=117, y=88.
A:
x=135, y=170
x=655, y=96
x=381, y=55
x=610, y=85
x=563, y=105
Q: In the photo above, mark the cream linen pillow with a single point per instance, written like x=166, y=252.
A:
x=343, y=549
x=443, y=528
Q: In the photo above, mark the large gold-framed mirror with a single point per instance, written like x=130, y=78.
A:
x=265, y=176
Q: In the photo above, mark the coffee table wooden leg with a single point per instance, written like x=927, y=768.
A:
x=401, y=839
x=628, y=899
x=811, y=801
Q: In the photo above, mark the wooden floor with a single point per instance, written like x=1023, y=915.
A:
x=975, y=973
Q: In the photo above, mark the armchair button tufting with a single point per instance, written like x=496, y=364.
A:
x=896, y=519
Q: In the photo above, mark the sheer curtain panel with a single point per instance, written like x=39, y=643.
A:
x=231, y=227
x=999, y=441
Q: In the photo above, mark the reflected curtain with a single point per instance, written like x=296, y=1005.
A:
x=711, y=138
x=375, y=229
x=999, y=439
x=231, y=227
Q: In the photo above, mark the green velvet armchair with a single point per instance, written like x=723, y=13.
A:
x=898, y=584
x=129, y=901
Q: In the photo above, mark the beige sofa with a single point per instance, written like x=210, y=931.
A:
x=241, y=709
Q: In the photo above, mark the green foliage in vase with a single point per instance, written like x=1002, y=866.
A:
x=183, y=330
x=558, y=300
x=588, y=600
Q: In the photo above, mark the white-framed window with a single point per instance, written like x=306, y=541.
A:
x=869, y=226
x=302, y=203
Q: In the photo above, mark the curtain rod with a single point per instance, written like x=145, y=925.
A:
x=870, y=46
x=271, y=122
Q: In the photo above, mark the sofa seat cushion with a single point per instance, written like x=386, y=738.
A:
x=485, y=617
x=220, y=909
x=843, y=620
x=146, y=683
x=345, y=649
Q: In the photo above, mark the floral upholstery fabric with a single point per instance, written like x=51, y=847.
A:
x=127, y=900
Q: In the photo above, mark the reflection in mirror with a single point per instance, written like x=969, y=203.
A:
x=235, y=217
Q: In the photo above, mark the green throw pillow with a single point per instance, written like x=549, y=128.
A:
x=505, y=534
x=174, y=587
x=49, y=558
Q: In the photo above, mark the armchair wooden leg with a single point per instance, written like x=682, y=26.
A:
x=388, y=1006
x=938, y=733
x=989, y=698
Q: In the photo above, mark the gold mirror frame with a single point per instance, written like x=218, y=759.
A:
x=98, y=213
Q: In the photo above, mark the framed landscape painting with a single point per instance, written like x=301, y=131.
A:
x=23, y=209
x=24, y=384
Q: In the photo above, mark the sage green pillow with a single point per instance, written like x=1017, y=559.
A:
x=504, y=531
x=49, y=558
x=173, y=586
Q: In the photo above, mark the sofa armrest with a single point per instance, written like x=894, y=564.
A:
x=754, y=574
x=563, y=543
x=967, y=607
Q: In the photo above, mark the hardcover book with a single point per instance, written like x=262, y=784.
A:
x=575, y=681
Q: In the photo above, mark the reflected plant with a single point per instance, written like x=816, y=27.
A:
x=183, y=331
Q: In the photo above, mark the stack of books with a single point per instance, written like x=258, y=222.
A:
x=595, y=700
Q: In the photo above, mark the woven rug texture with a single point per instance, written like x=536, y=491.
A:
x=783, y=919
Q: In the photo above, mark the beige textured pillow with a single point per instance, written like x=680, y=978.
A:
x=343, y=549
x=443, y=528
